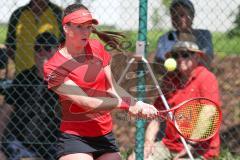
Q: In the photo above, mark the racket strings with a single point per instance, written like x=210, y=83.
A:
x=197, y=120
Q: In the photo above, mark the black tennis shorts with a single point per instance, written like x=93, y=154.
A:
x=97, y=146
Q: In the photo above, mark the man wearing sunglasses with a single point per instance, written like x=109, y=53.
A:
x=190, y=80
x=187, y=55
x=33, y=125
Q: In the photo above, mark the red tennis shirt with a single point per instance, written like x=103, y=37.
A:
x=87, y=72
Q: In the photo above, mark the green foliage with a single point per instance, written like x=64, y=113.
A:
x=236, y=30
x=152, y=38
x=223, y=44
x=166, y=3
x=225, y=154
x=155, y=18
x=3, y=33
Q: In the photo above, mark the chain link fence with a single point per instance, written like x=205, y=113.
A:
x=30, y=114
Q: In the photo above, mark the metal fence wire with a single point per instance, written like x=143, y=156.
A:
x=30, y=114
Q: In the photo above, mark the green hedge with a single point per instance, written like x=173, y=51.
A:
x=223, y=45
x=3, y=33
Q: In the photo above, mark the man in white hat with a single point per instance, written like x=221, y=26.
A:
x=190, y=80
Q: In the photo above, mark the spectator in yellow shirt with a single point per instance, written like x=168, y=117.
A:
x=25, y=24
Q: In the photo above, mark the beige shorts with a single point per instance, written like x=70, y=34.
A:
x=162, y=153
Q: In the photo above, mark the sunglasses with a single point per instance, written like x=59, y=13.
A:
x=184, y=55
x=48, y=48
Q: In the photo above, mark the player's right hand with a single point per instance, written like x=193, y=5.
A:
x=143, y=110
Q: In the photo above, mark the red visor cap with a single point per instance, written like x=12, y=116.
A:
x=79, y=17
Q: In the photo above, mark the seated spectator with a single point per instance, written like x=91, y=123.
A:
x=182, y=16
x=4, y=110
x=3, y=63
x=190, y=80
x=33, y=126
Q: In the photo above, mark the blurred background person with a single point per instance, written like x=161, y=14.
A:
x=182, y=15
x=25, y=24
x=191, y=80
x=4, y=83
x=33, y=125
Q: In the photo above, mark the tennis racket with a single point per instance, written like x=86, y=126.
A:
x=196, y=119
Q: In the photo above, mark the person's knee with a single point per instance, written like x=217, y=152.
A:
x=84, y=156
x=110, y=156
x=2, y=156
x=131, y=156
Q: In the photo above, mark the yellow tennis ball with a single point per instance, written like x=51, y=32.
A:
x=170, y=64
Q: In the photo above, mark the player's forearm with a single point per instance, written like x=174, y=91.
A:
x=74, y=93
x=98, y=103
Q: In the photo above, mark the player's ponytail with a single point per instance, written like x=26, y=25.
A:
x=111, y=38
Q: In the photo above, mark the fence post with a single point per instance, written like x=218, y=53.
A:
x=142, y=37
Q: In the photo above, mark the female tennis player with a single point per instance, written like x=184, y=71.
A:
x=80, y=74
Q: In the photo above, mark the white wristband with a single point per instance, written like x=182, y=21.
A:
x=140, y=103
